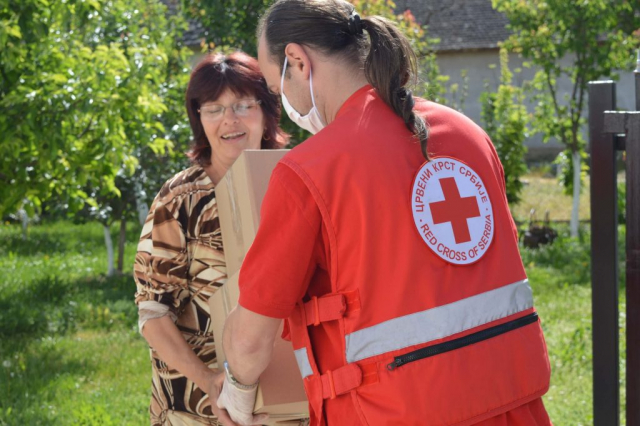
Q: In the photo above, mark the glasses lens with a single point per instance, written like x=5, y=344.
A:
x=212, y=113
x=240, y=108
x=243, y=108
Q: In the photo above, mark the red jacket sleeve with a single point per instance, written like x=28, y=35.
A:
x=277, y=270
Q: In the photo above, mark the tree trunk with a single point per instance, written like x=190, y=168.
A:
x=109, y=243
x=121, y=241
x=141, y=205
x=24, y=219
x=575, y=219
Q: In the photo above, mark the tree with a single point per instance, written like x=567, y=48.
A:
x=506, y=120
x=79, y=90
x=596, y=41
x=229, y=23
x=86, y=86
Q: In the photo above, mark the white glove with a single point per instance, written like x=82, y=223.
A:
x=239, y=404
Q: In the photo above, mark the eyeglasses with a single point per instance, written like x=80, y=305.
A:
x=241, y=108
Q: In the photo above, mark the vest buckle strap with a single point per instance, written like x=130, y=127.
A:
x=340, y=381
x=326, y=308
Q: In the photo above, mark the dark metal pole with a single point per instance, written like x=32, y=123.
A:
x=633, y=260
x=604, y=255
x=637, y=74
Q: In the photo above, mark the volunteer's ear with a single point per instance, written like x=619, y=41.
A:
x=298, y=59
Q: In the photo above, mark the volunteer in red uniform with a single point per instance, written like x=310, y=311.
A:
x=400, y=278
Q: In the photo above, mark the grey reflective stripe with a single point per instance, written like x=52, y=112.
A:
x=303, y=362
x=440, y=322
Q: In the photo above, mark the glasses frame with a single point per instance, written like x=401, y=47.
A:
x=233, y=107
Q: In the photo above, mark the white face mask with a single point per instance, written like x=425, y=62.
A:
x=312, y=121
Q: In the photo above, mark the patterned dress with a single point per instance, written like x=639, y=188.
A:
x=179, y=265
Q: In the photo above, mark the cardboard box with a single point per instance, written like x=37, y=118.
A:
x=239, y=196
x=281, y=392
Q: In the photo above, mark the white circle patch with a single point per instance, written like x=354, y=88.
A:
x=452, y=210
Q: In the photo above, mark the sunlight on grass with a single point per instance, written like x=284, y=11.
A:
x=71, y=353
x=544, y=193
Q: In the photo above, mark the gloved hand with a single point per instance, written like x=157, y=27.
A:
x=239, y=404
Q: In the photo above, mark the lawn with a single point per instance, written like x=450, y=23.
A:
x=542, y=192
x=70, y=353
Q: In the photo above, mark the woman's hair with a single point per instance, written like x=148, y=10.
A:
x=239, y=73
x=333, y=27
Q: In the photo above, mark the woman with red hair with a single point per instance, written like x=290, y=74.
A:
x=180, y=260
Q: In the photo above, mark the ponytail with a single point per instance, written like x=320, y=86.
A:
x=390, y=65
x=333, y=27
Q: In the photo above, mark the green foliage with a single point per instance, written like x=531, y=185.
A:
x=506, y=122
x=560, y=279
x=228, y=23
x=565, y=164
x=622, y=203
x=85, y=86
x=569, y=258
x=594, y=39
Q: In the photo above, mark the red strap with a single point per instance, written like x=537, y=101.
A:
x=341, y=381
x=286, y=330
x=325, y=308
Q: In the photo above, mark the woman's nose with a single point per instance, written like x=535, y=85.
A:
x=229, y=115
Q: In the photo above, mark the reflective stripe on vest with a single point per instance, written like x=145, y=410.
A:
x=438, y=323
x=302, y=357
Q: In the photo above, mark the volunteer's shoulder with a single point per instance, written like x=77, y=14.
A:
x=186, y=182
x=450, y=130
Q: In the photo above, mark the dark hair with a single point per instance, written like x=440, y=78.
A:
x=240, y=73
x=333, y=27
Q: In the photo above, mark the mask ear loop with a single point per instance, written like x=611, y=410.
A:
x=284, y=69
x=313, y=98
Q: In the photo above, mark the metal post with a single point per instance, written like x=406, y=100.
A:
x=637, y=74
x=633, y=259
x=604, y=255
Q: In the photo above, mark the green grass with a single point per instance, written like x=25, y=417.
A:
x=560, y=278
x=542, y=193
x=70, y=353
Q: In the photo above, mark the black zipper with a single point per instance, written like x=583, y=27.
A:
x=462, y=342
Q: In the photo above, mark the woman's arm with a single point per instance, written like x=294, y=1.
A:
x=165, y=338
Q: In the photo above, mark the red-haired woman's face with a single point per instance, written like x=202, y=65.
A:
x=232, y=124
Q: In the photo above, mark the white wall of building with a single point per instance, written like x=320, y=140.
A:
x=480, y=73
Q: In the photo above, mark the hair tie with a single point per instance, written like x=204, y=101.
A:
x=355, y=24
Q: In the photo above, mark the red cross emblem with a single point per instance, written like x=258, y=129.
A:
x=455, y=209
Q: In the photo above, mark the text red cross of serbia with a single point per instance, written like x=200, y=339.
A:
x=455, y=209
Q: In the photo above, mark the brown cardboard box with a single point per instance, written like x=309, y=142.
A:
x=281, y=392
x=239, y=196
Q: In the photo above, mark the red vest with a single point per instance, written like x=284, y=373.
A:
x=425, y=341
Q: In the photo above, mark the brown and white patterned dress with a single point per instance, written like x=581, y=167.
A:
x=179, y=265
